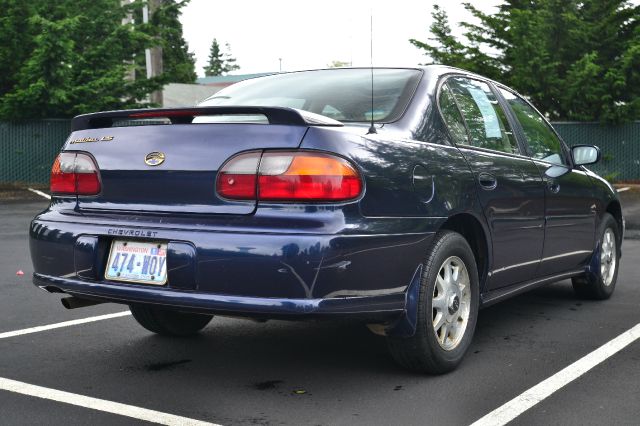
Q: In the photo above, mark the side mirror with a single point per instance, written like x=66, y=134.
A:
x=585, y=154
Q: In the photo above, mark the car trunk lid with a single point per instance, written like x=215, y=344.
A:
x=172, y=167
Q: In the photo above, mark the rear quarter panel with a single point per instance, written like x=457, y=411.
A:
x=403, y=177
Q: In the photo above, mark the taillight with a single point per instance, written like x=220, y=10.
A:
x=237, y=179
x=63, y=179
x=307, y=177
x=289, y=176
x=74, y=174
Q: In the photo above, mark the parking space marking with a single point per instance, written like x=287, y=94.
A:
x=40, y=193
x=512, y=409
x=626, y=188
x=139, y=413
x=63, y=324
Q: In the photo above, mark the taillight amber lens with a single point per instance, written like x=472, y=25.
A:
x=307, y=177
x=289, y=176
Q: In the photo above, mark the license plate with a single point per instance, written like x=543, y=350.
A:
x=137, y=262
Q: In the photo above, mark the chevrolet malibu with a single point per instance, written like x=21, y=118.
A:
x=404, y=198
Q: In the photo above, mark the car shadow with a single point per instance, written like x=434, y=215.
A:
x=274, y=349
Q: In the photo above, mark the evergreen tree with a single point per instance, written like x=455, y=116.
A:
x=78, y=53
x=576, y=60
x=220, y=62
x=16, y=41
x=178, y=62
x=214, y=67
x=445, y=49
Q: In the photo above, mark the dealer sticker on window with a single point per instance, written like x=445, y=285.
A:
x=137, y=262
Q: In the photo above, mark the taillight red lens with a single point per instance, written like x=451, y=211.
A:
x=87, y=180
x=74, y=174
x=63, y=180
x=237, y=179
x=289, y=176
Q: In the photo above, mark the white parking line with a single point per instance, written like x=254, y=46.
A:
x=99, y=404
x=512, y=409
x=40, y=193
x=62, y=324
x=626, y=188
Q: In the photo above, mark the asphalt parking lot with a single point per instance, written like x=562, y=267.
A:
x=318, y=373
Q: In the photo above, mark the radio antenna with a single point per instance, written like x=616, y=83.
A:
x=372, y=128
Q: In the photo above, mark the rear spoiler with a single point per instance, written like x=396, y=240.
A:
x=275, y=115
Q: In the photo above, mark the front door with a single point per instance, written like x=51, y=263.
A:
x=570, y=205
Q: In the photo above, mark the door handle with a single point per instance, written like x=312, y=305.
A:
x=553, y=186
x=487, y=181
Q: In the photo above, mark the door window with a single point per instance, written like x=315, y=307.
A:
x=542, y=140
x=452, y=117
x=485, y=118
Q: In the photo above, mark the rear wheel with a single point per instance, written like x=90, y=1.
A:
x=447, y=309
x=168, y=322
x=600, y=284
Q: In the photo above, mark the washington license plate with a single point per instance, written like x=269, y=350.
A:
x=137, y=262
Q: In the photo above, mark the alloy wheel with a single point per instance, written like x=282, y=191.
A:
x=608, y=257
x=451, y=303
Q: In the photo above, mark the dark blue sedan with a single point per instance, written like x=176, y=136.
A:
x=406, y=205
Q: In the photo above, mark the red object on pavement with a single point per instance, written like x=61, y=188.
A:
x=20, y=272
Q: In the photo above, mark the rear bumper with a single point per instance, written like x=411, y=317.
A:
x=253, y=274
x=371, y=307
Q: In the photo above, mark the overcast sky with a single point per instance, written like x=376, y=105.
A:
x=309, y=35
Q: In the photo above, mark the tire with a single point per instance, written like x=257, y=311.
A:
x=600, y=284
x=432, y=349
x=168, y=322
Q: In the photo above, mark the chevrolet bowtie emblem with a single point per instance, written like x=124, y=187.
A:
x=154, y=158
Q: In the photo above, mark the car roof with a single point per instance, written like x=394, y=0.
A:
x=436, y=70
x=432, y=70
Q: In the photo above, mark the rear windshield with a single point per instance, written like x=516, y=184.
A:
x=341, y=94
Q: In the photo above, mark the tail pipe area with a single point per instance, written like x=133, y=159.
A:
x=76, y=302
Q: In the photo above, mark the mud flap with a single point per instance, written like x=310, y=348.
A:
x=593, y=268
x=406, y=325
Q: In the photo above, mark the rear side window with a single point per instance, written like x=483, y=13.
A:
x=542, y=141
x=452, y=117
x=485, y=118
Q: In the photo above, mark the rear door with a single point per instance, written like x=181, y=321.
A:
x=570, y=212
x=509, y=183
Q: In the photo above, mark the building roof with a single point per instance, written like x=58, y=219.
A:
x=176, y=95
x=229, y=79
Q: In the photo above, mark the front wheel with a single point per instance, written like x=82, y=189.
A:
x=168, y=322
x=600, y=283
x=447, y=309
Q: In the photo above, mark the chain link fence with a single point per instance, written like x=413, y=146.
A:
x=620, y=146
x=27, y=149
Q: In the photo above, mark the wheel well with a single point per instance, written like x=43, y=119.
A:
x=615, y=210
x=471, y=229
